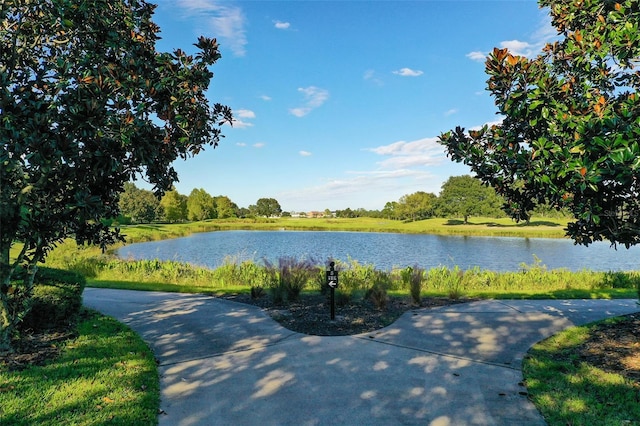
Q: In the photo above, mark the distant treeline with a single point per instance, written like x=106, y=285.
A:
x=460, y=197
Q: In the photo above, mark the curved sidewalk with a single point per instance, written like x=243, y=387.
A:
x=225, y=363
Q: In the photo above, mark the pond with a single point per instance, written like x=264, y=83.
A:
x=386, y=250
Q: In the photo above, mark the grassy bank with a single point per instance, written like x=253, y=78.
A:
x=107, y=375
x=531, y=281
x=537, y=228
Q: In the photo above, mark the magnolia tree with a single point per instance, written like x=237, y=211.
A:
x=571, y=129
x=86, y=105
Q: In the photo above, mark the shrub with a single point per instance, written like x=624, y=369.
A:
x=56, y=301
x=618, y=280
x=354, y=277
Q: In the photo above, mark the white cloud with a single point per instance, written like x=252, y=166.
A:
x=518, y=48
x=353, y=189
x=406, y=167
x=305, y=153
x=225, y=22
x=241, y=144
x=242, y=113
x=314, y=97
x=408, y=72
x=544, y=34
x=259, y=145
x=421, y=152
x=477, y=56
x=370, y=75
x=299, y=112
x=407, y=148
x=265, y=98
x=245, y=113
x=281, y=25
x=239, y=124
x=451, y=112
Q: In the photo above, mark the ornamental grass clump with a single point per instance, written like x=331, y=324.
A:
x=377, y=294
x=257, y=291
x=412, y=277
x=288, y=278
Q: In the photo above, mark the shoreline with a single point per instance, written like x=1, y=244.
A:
x=482, y=227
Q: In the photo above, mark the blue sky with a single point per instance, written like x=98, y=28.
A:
x=339, y=103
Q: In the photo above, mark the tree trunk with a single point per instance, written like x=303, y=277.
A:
x=6, y=326
x=5, y=314
x=12, y=311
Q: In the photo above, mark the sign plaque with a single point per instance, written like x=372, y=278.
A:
x=332, y=282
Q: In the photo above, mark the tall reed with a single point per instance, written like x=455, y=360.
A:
x=412, y=277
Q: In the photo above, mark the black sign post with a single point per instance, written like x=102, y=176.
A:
x=332, y=282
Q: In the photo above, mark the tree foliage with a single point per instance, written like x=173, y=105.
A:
x=141, y=205
x=466, y=196
x=390, y=210
x=225, y=207
x=268, y=207
x=87, y=104
x=174, y=206
x=417, y=206
x=571, y=129
x=200, y=205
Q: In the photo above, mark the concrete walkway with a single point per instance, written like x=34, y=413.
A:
x=225, y=363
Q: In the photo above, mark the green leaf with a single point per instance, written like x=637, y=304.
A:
x=545, y=113
x=535, y=104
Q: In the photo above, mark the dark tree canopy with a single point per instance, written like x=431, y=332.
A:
x=465, y=196
x=268, y=207
x=417, y=206
x=87, y=104
x=139, y=204
x=571, y=129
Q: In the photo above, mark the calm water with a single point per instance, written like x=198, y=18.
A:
x=386, y=250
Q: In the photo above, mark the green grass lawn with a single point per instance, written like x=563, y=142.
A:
x=569, y=391
x=107, y=375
